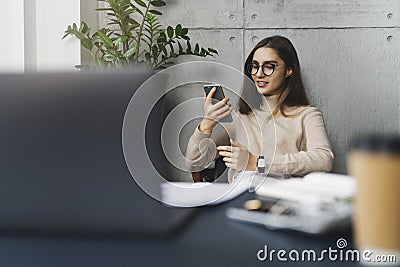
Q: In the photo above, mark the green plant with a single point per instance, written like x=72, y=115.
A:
x=135, y=36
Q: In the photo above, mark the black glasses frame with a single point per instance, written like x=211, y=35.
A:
x=250, y=68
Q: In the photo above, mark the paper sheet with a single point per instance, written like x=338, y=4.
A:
x=185, y=194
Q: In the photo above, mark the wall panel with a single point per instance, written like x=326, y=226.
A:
x=204, y=13
x=321, y=14
x=350, y=76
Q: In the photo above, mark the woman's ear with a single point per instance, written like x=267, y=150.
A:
x=289, y=72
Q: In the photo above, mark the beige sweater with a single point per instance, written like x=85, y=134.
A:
x=291, y=145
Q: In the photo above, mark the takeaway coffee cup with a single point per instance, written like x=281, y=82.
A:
x=374, y=161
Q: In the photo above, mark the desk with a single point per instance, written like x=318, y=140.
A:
x=209, y=239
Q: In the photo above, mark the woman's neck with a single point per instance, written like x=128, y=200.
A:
x=269, y=101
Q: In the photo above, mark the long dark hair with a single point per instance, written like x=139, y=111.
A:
x=293, y=92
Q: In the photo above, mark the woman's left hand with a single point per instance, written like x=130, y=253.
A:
x=237, y=157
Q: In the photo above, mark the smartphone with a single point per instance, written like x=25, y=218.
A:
x=218, y=96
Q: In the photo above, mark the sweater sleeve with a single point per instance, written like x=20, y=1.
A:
x=318, y=155
x=202, y=149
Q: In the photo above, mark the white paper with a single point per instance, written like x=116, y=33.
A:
x=184, y=194
x=314, y=187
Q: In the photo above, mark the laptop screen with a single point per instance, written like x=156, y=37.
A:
x=61, y=159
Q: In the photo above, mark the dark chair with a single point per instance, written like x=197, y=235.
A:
x=210, y=174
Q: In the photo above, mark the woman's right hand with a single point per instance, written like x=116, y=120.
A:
x=213, y=113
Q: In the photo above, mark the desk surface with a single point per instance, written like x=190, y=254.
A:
x=209, y=239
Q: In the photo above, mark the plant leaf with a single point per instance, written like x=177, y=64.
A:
x=147, y=36
x=130, y=52
x=98, y=61
x=211, y=50
x=147, y=57
x=109, y=57
x=133, y=23
x=86, y=43
x=158, y=3
x=139, y=11
x=170, y=32
x=84, y=28
x=121, y=39
x=184, y=31
x=189, y=47
x=154, y=51
x=82, y=67
x=178, y=30
x=104, y=38
x=172, y=48
x=162, y=38
x=203, y=52
x=155, y=12
x=180, y=48
x=164, y=50
x=104, y=9
x=140, y=3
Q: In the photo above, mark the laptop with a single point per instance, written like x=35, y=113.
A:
x=62, y=167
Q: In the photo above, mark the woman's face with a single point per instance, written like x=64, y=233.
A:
x=267, y=60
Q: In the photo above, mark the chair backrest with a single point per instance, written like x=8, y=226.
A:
x=210, y=174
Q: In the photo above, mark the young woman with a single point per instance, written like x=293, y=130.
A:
x=293, y=140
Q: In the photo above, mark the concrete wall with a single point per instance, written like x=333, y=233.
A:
x=349, y=52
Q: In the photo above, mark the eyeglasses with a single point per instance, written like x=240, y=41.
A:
x=267, y=68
